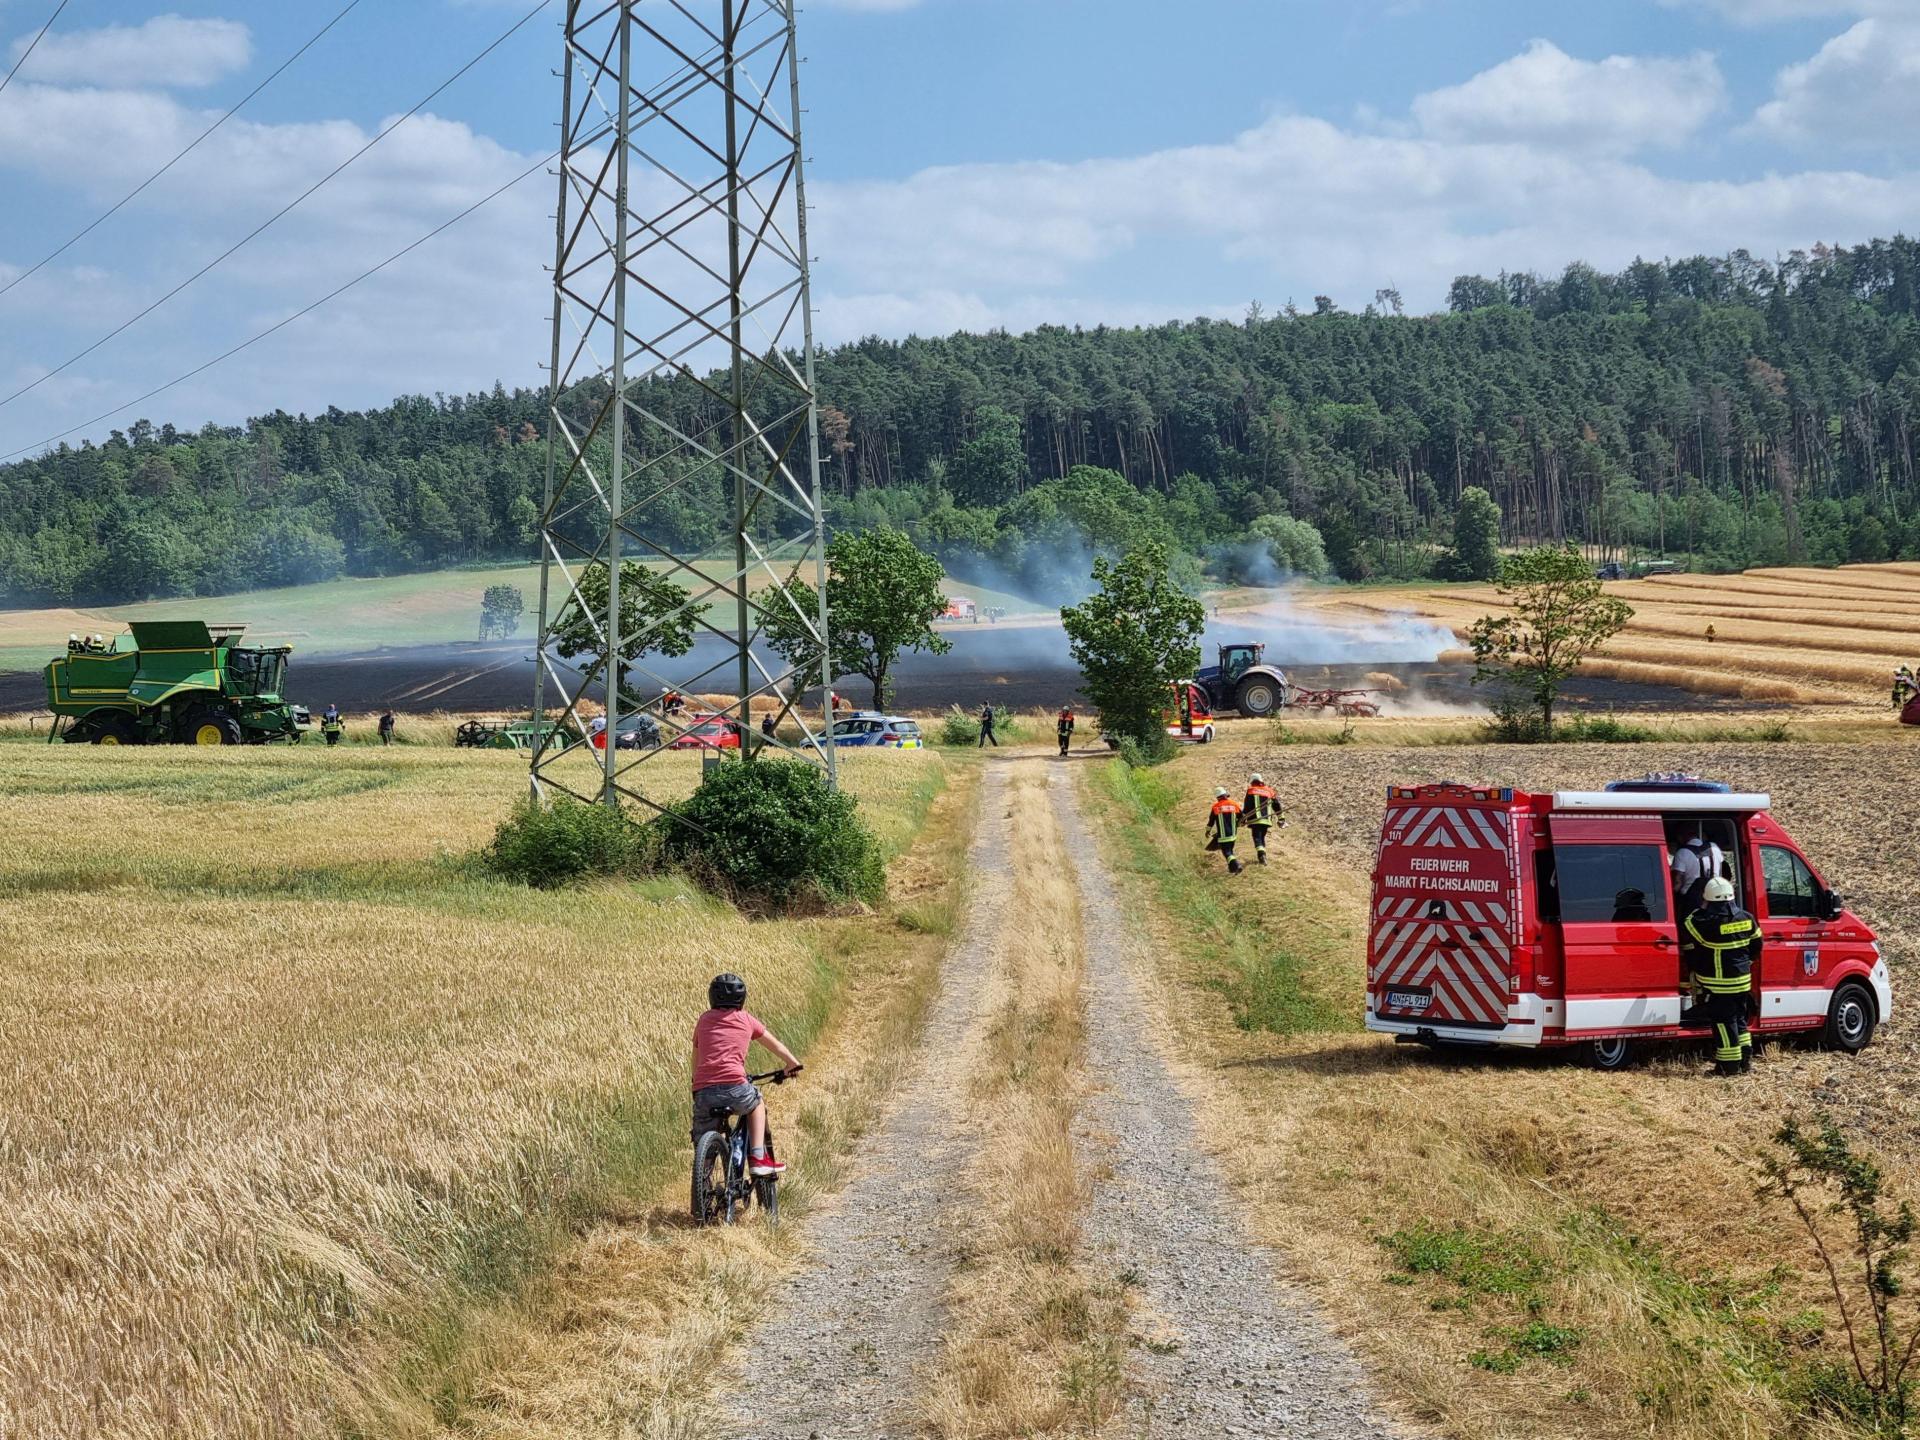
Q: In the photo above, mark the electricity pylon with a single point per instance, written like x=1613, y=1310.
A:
x=682, y=383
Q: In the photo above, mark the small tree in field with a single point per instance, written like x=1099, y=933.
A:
x=654, y=617
x=883, y=595
x=1476, y=538
x=1133, y=639
x=1557, y=615
x=500, y=610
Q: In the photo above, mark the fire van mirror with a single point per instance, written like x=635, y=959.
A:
x=1831, y=906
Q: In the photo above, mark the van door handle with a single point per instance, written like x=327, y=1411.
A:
x=1665, y=942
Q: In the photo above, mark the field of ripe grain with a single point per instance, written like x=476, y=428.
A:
x=289, y=1089
x=1521, y=1247
x=1784, y=636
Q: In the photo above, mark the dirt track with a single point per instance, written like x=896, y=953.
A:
x=1218, y=1347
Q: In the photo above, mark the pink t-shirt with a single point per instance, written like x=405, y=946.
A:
x=720, y=1041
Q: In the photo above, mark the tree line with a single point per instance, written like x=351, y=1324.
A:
x=1733, y=410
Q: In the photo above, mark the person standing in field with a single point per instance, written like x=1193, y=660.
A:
x=1262, y=811
x=331, y=725
x=986, y=728
x=386, y=727
x=1063, y=726
x=1223, y=827
x=721, y=1038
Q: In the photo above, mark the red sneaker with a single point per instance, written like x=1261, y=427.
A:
x=763, y=1166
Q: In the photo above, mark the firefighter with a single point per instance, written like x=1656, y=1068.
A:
x=1063, y=726
x=1262, y=810
x=386, y=727
x=1697, y=861
x=331, y=725
x=986, y=728
x=1719, y=943
x=1223, y=827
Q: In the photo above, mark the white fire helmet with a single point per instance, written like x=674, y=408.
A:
x=1220, y=792
x=1258, y=779
x=1718, y=889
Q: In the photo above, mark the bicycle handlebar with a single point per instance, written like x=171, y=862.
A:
x=778, y=1077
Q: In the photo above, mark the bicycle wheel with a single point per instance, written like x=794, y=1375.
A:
x=712, y=1201
x=767, y=1192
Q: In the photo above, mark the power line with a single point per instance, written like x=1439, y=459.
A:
x=39, y=35
x=118, y=205
x=279, y=325
x=285, y=210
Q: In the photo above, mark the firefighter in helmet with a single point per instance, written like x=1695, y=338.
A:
x=1262, y=811
x=1223, y=827
x=1063, y=727
x=1720, y=943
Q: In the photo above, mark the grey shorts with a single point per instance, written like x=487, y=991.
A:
x=713, y=1104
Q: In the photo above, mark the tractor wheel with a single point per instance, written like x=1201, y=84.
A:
x=211, y=727
x=1259, y=696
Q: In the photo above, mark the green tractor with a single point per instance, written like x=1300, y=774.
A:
x=181, y=682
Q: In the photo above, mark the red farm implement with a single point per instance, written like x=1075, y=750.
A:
x=1355, y=704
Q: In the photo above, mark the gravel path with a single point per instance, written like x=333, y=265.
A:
x=1233, y=1352
x=836, y=1358
x=1230, y=1351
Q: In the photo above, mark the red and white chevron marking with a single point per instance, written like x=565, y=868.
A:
x=1465, y=959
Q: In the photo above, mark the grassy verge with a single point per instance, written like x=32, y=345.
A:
x=1517, y=1247
x=1033, y=1347
x=1266, y=953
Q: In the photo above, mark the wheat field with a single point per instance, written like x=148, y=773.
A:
x=289, y=1082
x=1791, y=635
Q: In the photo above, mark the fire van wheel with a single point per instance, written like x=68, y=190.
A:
x=1851, y=1021
x=1613, y=1053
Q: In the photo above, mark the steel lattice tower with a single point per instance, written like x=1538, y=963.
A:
x=682, y=370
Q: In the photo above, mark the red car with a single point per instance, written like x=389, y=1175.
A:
x=708, y=732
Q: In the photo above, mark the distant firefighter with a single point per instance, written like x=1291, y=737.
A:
x=1223, y=827
x=331, y=725
x=1063, y=727
x=1711, y=633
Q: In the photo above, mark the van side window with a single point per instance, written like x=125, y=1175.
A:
x=1620, y=883
x=1791, y=888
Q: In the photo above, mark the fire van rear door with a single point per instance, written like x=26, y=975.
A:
x=1446, y=915
x=1610, y=892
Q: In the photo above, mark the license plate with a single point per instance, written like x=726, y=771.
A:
x=1414, y=1000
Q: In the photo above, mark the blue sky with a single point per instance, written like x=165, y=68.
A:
x=975, y=163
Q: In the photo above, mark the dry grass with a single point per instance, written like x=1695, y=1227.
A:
x=1032, y=1347
x=290, y=1092
x=1628, y=1199
x=1795, y=635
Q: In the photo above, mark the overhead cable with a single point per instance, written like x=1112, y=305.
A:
x=38, y=36
x=279, y=214
x=119, y=204
x=279, y=325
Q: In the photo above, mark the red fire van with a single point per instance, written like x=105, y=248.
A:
x=1507, y=918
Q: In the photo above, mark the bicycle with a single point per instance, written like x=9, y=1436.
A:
x=722, y=1184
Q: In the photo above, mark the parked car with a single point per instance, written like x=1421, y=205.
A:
x=870, y=727
x=636, y=732
x=707, y=732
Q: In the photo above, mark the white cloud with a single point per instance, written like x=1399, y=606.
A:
x=1862, y=89
x=1543, y=95
x=166, y=50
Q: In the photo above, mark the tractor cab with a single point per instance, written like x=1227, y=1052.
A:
x=1236, y=660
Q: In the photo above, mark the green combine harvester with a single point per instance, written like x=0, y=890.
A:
x=181, y=682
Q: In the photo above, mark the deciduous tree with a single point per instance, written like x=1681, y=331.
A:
x=1135, y=636
x=1557, y=615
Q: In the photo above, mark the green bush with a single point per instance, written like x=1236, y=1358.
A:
x=1156, y=749
x=547, y=846
x=771, y=833
x=962, y=727
x=1513, y=726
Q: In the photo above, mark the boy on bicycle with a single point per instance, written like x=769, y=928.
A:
x=721, y=1037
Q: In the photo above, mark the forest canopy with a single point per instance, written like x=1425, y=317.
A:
x=1730, y=410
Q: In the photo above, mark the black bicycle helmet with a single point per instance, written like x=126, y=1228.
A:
x=727, y=992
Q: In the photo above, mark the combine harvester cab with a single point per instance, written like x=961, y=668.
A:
x=181, y=682
x=1549, y=920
